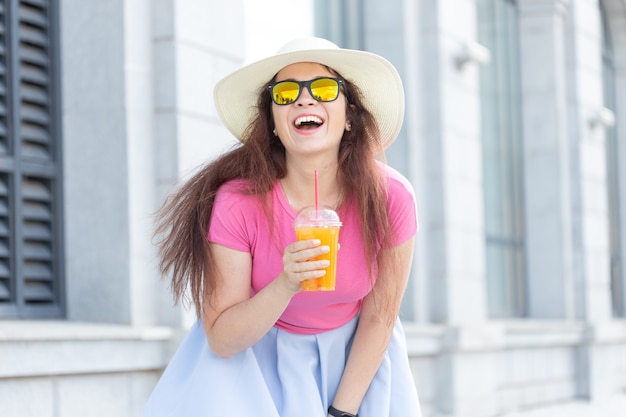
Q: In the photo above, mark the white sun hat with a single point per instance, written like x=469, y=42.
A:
x=378, y=80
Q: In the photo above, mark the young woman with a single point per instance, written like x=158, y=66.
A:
x=262, y=346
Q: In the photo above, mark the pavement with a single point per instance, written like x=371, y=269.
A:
x=612, y=407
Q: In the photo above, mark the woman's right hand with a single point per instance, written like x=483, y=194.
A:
x=298, y=263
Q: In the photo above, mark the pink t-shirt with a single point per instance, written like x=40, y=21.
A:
x=239, y=222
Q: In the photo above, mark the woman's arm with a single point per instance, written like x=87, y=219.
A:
x=234, y=321
x=377, y=319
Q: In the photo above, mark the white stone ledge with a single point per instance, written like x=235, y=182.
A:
x=428, y=340
x=608, y=333
x=423, y=340
x=39, y=330
x=612, y=407
x=533, y=334
x=43, y=348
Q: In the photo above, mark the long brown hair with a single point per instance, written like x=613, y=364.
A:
x=183, y=220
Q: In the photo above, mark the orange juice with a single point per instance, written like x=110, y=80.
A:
x=329, y=236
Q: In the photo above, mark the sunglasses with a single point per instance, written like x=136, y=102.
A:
x=322, y=89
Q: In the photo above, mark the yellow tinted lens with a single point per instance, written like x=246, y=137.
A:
x=285, y=92
x=325, y=89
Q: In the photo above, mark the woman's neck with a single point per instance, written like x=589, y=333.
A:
x=299, y=185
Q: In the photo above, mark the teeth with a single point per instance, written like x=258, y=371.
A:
x=308, y=119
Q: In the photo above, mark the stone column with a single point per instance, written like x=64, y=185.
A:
x=589, y=164
x=616, y=16
x=452, y=214
x=195, y=45
x=95, y=159
x=547, y=171
x=138, y=114
x=450, y=133
x=599, y=378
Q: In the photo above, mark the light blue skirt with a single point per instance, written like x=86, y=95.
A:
x=283, y=375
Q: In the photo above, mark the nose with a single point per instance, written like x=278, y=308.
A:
x=305, y=99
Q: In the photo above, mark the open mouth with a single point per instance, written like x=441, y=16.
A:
x=308, y=122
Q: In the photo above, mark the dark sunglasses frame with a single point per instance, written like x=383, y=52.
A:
x=306, y=84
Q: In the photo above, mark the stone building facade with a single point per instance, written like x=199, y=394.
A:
x=512, y=139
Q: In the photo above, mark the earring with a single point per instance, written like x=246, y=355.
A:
x=348, y=126
x=275, y=134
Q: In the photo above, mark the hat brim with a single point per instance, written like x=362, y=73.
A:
x=378, y=80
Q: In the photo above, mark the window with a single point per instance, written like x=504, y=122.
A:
x=502, y=159
x=340, y=22
x=31, y=277
x=608, y=78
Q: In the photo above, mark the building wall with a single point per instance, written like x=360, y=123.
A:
x=567, y=348
x=138, y=115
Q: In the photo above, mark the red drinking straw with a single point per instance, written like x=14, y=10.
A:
x=317, y=194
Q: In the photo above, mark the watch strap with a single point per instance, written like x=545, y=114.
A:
x=337, y=413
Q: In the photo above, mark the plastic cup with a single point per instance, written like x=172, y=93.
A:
x=322, y=224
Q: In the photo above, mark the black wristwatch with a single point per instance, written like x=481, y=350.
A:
x=336, y=413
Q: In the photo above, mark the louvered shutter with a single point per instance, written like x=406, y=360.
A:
x=31, y=280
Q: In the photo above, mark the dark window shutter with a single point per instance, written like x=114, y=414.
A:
x=31, y=277
x=6, y=283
